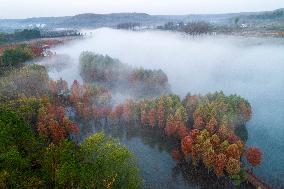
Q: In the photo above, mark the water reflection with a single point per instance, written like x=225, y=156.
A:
x=153, y=151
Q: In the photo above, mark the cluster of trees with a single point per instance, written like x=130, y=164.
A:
x=20, y=35
x=37, y=146
x=194, y=110
x=53, y=125
x=90, y=101
x=197, y=28
x=16, y=56
x=116, y=76
x=59, y=33
x=192, y=28
x=29, y=81
x=203, y=125
x=234, y=109
x=128, y=25
x=12, y=57
x=34, y=33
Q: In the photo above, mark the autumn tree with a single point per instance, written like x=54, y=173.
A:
x=215, y=140
x=233, y=166
x=180, y=119
x=118, y=111
x=245, y=111
x=233, y=151
x=75, y=91
x=170, y=128
x=233, y=139
x=186, y=145
x=212, y=139
x=54, y=125
x=182, y=131
x=161, y=112
x=208, y=158
x=194, y=133
x=152, y=117
x=128, y=110
x=190, y=102
x=212, y=125
x=219, y=164
x=198, y=122
x=254, y=156
x=59, y=87
x=224, y=130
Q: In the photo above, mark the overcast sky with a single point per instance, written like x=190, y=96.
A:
x=36, y=8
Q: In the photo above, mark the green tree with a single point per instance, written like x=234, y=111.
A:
x=2, y=38
x=107, y=164
x=13, y=57
x=18, y=152
x=60, y=166
x=27, y=34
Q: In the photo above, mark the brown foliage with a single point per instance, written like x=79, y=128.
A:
x=233, y=152
x=254, y=156
x=54, y=125
x=219, y=164
x=198, y=122
x=186, y=145
x=211, y=126
x=233, y=166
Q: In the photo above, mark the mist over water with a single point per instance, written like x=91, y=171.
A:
x=250, y=67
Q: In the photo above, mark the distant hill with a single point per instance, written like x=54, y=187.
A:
x=90, y=20
x=100, y=20
x=267, y=15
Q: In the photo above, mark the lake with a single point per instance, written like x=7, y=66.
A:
x=248, y=66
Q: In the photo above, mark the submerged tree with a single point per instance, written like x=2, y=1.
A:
x=254, y=156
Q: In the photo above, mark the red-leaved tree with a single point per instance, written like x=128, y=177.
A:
x=254, y=156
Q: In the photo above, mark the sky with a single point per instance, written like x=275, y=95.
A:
x=40, y=8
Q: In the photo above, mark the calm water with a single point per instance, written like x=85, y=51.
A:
x=250, y=67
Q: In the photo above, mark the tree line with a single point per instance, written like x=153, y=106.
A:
x=20, y=35
x=191, y=28
x=34, y=33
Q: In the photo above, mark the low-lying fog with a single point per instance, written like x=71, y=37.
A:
x=250, y=67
